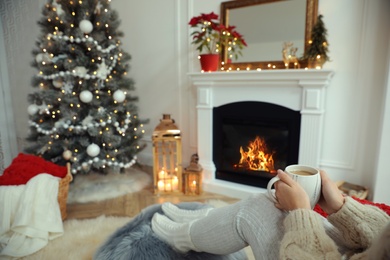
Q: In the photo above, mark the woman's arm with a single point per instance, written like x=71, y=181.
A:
x=305, y=237
x=359, y=223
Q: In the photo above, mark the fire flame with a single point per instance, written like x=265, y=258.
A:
x=256, y=158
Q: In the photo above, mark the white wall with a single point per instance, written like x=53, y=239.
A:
x=157, y=36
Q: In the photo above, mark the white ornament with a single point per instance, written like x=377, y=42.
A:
x=57, y=83
x=86, y=26
x=86, y=96
x=93, y=150
x=119, y=96
x=80, y=71
x=32, y=109
x=67, y=154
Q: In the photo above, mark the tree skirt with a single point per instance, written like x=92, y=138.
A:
x=97, y=187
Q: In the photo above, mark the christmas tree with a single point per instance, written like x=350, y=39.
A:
x=83, y=111
x=318, y=45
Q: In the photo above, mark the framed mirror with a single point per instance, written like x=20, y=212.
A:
x=266, y=25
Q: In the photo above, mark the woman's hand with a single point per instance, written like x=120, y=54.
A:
x=331, y=199
x=289, y=194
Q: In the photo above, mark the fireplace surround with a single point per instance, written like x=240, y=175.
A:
x=296, y=90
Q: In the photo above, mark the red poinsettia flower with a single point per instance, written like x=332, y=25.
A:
x=213, y=36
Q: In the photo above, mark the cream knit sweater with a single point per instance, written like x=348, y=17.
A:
x=305, y=236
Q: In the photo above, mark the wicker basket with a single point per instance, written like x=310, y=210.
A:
x=63, y=189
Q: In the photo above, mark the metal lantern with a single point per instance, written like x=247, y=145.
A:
x=192, y=177
x=167, y=168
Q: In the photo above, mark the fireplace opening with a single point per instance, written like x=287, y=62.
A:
x=251, y=140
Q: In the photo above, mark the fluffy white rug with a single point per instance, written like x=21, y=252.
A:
x=81, y=238
x=98, y=187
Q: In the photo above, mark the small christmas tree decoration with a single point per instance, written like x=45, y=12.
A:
x=86, y=96
x=32, y=109
x=58, y=83
x=67, y=154
x=86, y=26
x=317, y=52
x=119, y=96
x=93, y=150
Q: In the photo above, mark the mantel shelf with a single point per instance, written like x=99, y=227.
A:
x=263, y=75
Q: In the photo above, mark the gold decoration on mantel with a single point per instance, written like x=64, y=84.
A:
x=167, y=161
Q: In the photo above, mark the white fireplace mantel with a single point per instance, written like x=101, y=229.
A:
x=300, y=90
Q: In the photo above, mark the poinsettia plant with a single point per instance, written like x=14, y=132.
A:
x=210, y=36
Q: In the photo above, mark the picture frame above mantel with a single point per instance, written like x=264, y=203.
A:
x=276, y=27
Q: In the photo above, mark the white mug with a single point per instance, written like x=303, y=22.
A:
x=308, y=177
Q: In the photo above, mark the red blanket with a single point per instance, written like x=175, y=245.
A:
x=26, y=166
x=382, y=206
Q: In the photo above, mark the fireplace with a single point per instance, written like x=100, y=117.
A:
x=300, y=93
x=251, y=140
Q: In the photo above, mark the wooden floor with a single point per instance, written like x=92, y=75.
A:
x=131, y=204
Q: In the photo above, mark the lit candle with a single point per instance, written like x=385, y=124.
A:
x=161, y=174
x=160, y=186
x=193, y=186
x=175, y=183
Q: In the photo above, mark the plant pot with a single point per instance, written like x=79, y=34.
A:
x=209, y=62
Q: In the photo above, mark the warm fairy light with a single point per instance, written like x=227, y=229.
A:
x=73, y=13
x=49, y=20
x=72, y=25
x=71, y=104
x=106, y=25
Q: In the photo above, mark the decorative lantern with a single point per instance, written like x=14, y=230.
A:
x=192, y=177
x=167, y=168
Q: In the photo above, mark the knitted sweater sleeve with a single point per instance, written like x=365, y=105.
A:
x=358, y=223
x=305, y=238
